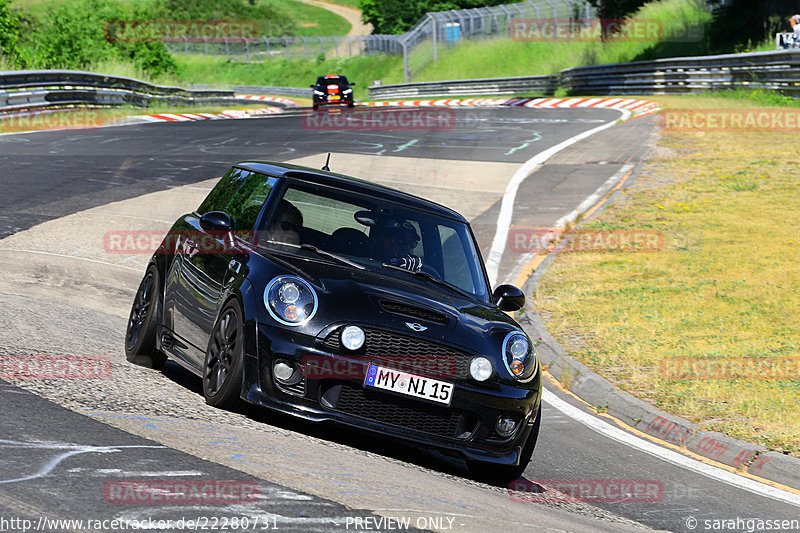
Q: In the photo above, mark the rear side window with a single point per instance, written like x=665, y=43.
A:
x=241, y=194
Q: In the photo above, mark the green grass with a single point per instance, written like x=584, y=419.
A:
x=313, y=20
x=479, y=58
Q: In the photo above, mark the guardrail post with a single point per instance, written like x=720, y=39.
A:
x=266, y=40
x=286, y=40
x=185, y=44
x=247, y=48
x=321, y=48
x=227, y=48
x=305, y=47
x=205, y=42
x=349, y=47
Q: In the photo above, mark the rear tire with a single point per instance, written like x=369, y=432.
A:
x=505, y=473
x=140, y=335
x=223, y=368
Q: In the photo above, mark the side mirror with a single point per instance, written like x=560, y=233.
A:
x=352, y=84
x=311, y=86
x=508, y=298
x=216, y=221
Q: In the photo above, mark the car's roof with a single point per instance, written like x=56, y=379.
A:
x=341, y=181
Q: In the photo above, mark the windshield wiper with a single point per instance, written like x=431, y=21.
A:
x=337, y=257
x=430, y=277
x=324, y=253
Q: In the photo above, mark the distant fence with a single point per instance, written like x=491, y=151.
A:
x=419, y=46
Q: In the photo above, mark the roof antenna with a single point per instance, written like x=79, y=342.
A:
x=326, y=167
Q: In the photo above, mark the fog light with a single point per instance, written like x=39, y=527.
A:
x=505, y=426
x=286, y=373
x=480, y=369
x=353, y=337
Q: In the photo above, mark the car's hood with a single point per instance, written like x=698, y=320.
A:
x=390, y=299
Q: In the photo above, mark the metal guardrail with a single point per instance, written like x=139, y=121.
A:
x=775, y=71
x=24, y=90
x=545, y=85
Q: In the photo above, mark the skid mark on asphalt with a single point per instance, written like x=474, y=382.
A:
x=60, y=452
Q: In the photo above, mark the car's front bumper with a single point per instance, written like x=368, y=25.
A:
x=465, y=427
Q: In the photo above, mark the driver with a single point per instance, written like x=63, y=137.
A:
x=287, y=224
x=398, y=242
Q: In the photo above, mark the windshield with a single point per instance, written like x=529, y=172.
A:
x=374, y=233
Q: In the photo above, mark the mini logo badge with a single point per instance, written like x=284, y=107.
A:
x=416, y=326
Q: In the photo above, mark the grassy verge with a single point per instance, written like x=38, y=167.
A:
x=313, y=20
x=297, y=73
x=724, y=286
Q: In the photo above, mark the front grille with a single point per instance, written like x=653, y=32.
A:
x=398, y=412
x=414, y=312
x=406, y=353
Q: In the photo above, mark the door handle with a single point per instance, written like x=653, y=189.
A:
x=234, y=265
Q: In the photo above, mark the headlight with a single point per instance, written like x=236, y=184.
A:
x=520, y=357
x=480, y=369
x=290, y=300
x=347, y=91
x=319, y=93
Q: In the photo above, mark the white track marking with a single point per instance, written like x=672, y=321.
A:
x=507, y=204
x=665, y=454
x=587, y=204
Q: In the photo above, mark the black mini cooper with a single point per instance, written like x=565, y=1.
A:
x=332, y=89
x=334, y=299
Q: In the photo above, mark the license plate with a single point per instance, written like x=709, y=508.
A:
x=379, y=377
x=333, y=98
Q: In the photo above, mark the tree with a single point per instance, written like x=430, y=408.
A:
x=9, y=32
x=616, y=9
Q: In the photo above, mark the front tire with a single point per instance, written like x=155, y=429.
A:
x=224, y=363
x=504, y=473
x=140, y=335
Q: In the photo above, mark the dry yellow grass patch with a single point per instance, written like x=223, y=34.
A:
x=725, y=286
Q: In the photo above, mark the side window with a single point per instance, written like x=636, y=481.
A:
x=241, y=194
x=222, y=192
x=246, y=203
